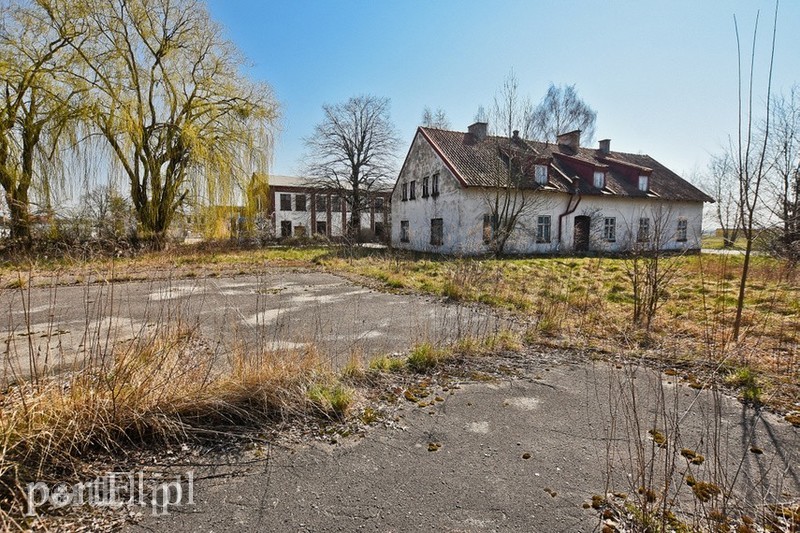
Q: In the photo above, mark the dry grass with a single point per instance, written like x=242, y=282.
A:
x=157, y=390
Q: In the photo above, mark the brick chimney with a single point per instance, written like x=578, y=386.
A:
x=571, y=139
x=478, y=130
x=605, y=146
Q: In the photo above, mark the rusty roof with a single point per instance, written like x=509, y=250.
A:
x=485, y=163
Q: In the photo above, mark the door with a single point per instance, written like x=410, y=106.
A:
x=581, y=238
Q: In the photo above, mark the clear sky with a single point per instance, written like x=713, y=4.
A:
x=660, y=74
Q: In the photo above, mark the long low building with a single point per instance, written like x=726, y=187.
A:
x=471, y=193
x=299, y=208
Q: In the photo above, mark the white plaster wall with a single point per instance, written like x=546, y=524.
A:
x=298, y=218
x=463, y=209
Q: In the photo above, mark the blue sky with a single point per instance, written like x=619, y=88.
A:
x=660, y=74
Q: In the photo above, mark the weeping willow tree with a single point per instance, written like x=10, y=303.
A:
x=168, y=95
x=37, y=109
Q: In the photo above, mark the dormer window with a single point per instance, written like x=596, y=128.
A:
x=541, y=174
x=644, y=183
x=599, y=179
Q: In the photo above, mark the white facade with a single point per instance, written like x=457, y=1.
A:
x=462, y=213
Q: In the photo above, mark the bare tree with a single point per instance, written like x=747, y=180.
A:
x=649, y=268
x=751, y=157
x=561, y=110
x=784, y=145
x=168, y=96
x=513, y=191
x=435, y=119
x=353, y=152
x=722, y=180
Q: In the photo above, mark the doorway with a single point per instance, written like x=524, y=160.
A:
x=581, y=237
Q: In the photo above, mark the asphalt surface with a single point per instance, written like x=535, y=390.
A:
x=523, y=453
x=60, y=325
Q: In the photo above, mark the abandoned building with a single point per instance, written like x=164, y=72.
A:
x=300, y=208
x=458, y=192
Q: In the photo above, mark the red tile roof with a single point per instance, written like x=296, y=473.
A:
x=484, y=163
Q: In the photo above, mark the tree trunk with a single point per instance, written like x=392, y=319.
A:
x=19, y=215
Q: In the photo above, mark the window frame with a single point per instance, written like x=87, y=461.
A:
x=300, y=202
x=544, y=229
x=643, y=232
x=610, y=229
x=286, y=224
x=644, y=182
x=412, y=190
x=324, y=225
x=321, y=200
x=682, y=231
x=435, y=185
x=599, y=180
x=404, y=191
x=540, y=174
x=404, y=231
x=336, y=204
x=285, y=201
x=437, y=237
x=425, y=182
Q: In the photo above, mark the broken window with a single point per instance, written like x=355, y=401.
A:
x=435, y=185
x=404, y=231
x=412, y=193
x=543, y=228
x=404, y=188
x=644, y=230
x=683, y=226
x=610, y=229
x=425, y=186
x=286, y=202
x=437, y=231
x=300, y=202
x=286, y=228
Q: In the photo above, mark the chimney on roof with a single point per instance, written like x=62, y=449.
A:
x=571, y=139
x=478, y=130
x=605, y=146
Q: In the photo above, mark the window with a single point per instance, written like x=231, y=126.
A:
x=683, y=226
x=286, y=202
x=599, y=179
x=379, y=204
x=644, y=230
x=300, y=202
x=322, y=227
x=404, y=188
x=489, y=228
x=540, y=174
x=425, y=186
x=435, y=185
x=286, y=228
x=437, y=231
x=299, y=231
x=412, y=194
x=321, y=203
x=543, y=228
x=336, y=204
x=404, y=231
x=610, y=229
x=644, y=184
x=379, y=229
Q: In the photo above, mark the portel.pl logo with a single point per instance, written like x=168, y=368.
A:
x=114, y=490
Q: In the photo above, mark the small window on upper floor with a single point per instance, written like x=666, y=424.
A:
x=435, y=185
x=286, y=202
x=599, y=179
x=644, y=183
x=541, y=174
x=404, y=189
x=425, y=189
x=300, y=202
x=412, y=191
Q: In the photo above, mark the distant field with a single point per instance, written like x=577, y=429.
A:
x=714, y=242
